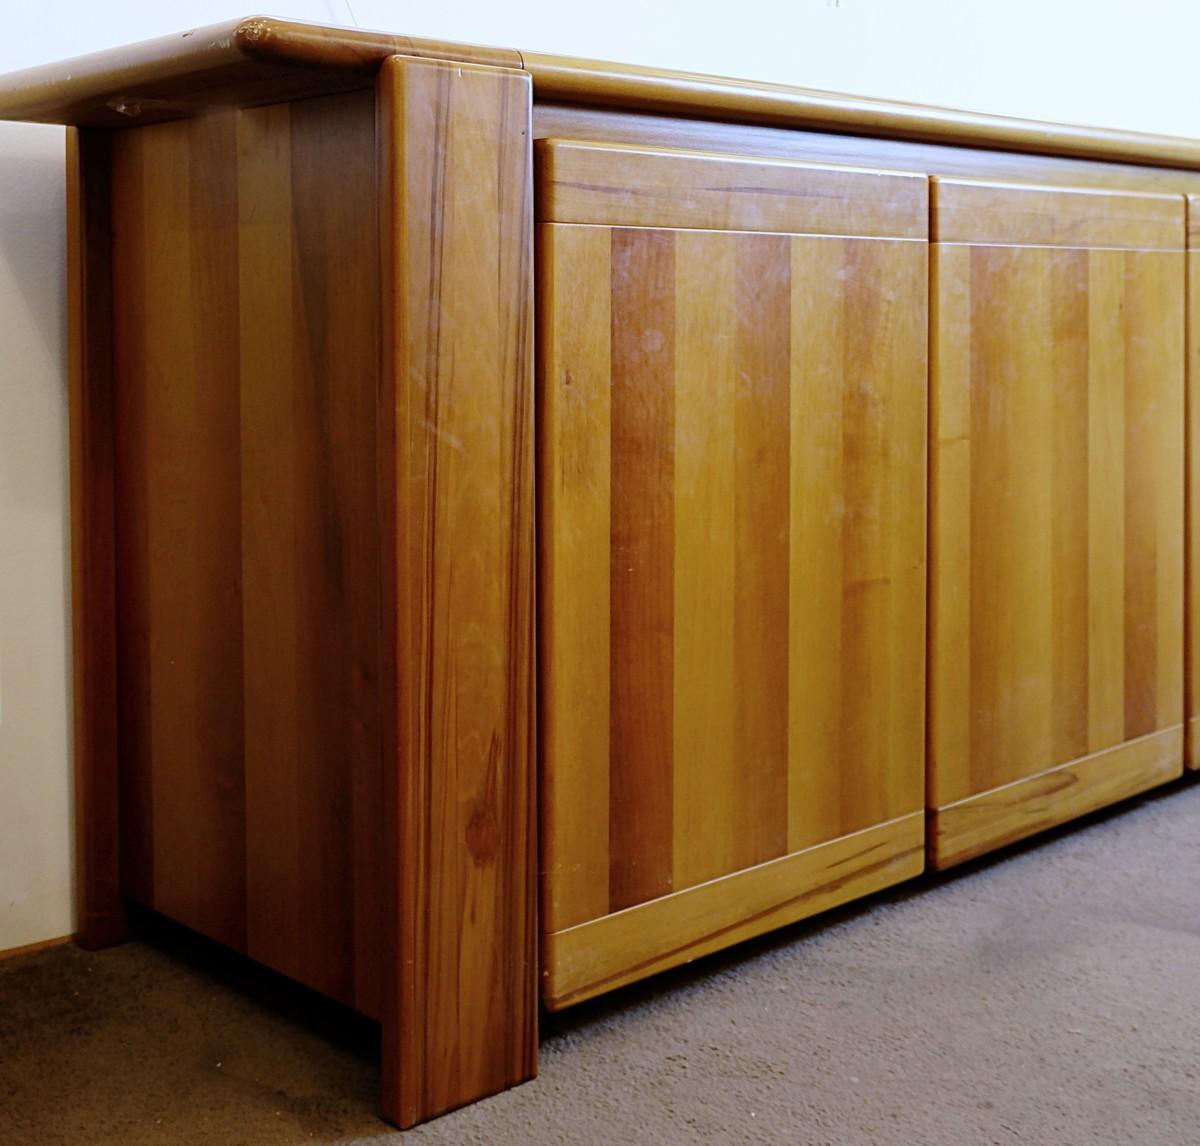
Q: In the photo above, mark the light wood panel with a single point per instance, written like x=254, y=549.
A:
x=245, y=273
x=978, y=212
x=608, y=952
x=620, y=186
x=1056, y=582
x=460, y=1012
x=1014, y=811
x=732, y=552
x=1192, y=627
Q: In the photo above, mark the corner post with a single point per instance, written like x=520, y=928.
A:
x=100, y=912
x=456, y=471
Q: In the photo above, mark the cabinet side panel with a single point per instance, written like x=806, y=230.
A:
x=247, y=366
x=308, y=283
x=178, y=510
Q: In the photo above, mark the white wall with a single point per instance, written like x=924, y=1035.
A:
x=1116, y=63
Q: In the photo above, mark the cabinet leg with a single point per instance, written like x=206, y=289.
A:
x=456, y=416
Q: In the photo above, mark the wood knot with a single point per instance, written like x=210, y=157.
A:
x=483, y=835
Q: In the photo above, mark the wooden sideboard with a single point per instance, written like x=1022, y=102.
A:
x=536, y=522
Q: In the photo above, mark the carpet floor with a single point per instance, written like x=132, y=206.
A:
x=1047, y=995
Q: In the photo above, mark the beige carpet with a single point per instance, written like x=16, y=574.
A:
x=1051, y=995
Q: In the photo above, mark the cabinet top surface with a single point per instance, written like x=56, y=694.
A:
x=260, y=60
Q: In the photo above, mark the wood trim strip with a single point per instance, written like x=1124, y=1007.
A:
x=989, y=820
x=100, y=911
x=982, y=212
x=35, y=948
x=456, y=471
x=629, y=87
x=620, y=186
x=609, y=952
x=258, y=61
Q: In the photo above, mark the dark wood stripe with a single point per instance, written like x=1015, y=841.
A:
x=762, y=413
x=217, y=782
x=1069, y=478
x=178, y=392
x=642, y=582
x=132, y=524
x=276, y=921
x=335, y=274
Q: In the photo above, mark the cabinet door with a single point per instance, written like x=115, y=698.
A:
x=732, y=525
x=1057, y=520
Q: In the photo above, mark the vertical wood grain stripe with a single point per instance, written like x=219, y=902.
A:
x=642, y=587
x=1158, y=283
x=761, y=579
x=189, y=343
x=816, y=505
x=1106, y=501
x=1069, y=477
x=1168, y=362
x=574, y=541
x=706, y=755
x=131, y=523
x=899, y=373
x=866, y=573
x=335, y=274
x=991, y=517
x=950, y=485
x=270, y=594
x=219, y=764
x=1010, y=522
x=169, y=424
x=1141, y=399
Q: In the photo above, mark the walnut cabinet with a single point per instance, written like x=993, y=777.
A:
x=536, y=522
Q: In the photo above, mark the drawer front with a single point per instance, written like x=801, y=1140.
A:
x=1057, y=521
x=732, y=510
